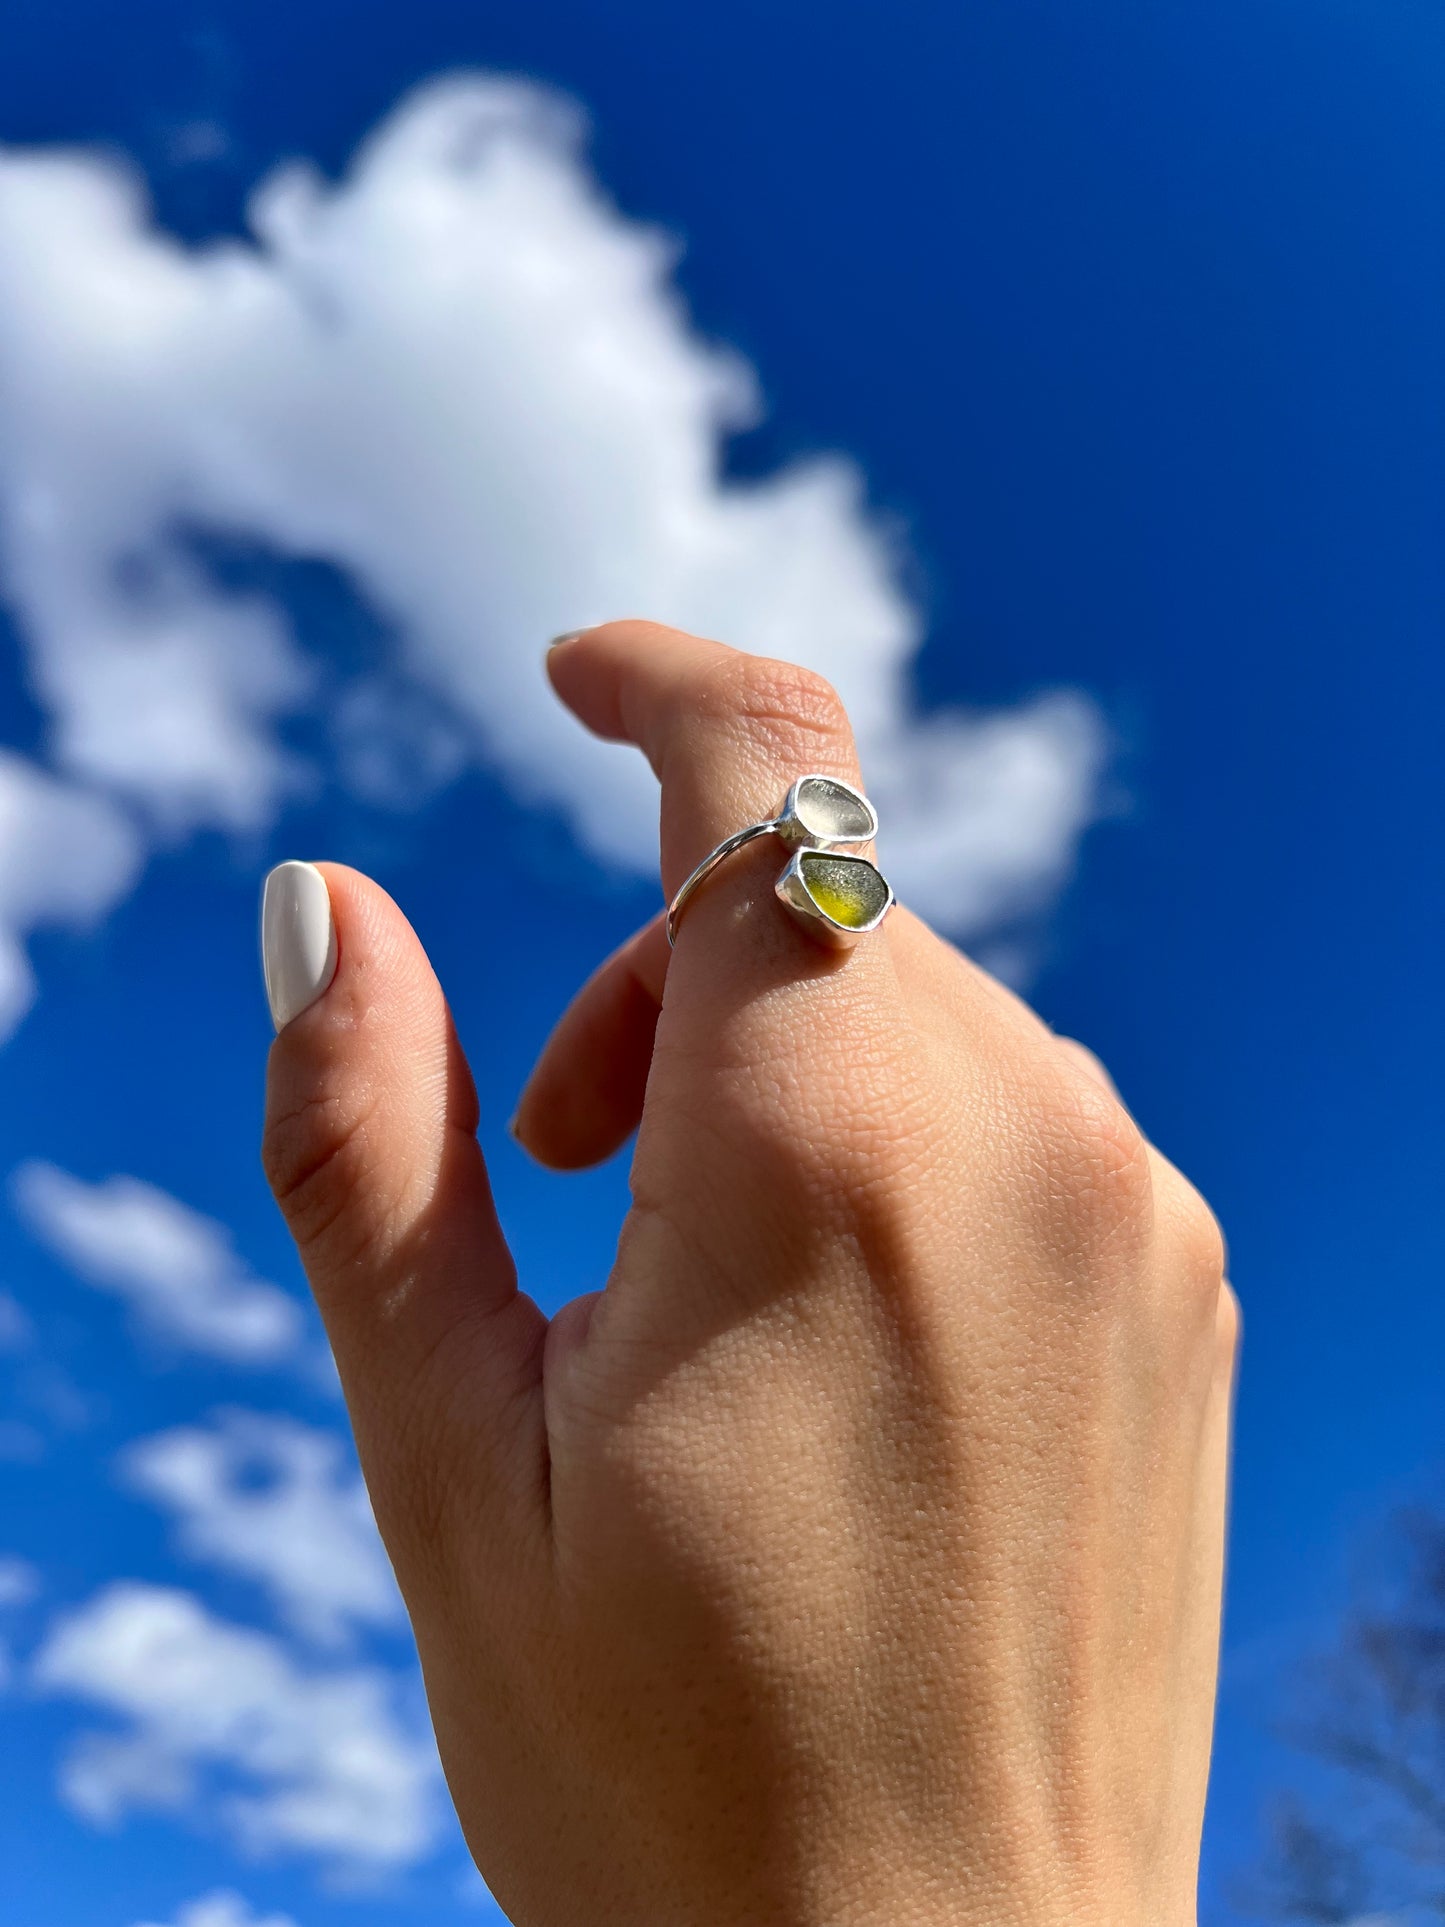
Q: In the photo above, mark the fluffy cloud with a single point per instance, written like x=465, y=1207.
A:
x=463, y=378
x=66, y=856
x=223, y=1909
x=222, y=1720
x=176, y=1270
x=279, y=1503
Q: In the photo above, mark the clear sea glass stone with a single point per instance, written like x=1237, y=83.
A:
x=837, y=896
x=823, y=809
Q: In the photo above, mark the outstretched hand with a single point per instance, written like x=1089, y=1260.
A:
x=854, y=1558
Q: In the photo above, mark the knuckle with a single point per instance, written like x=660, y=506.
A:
x=417, y=1495
x=1228, y=1326
x=1087, y=1060
x=773, y=699
x=316, y=1155
x=1196, y=1240
x=1095, y=1160
x=1191, y=1266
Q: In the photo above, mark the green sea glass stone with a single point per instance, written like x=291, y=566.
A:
x=846, y=888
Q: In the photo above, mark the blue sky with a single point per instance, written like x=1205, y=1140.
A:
x=1092, y=442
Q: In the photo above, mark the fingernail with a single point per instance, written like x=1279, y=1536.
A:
x=568, y=635
x=298, y=939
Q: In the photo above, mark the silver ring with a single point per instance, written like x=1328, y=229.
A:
x=836, y=895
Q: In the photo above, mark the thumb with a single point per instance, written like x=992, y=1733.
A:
x=370, y=1148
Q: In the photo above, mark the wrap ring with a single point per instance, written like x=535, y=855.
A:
x=836, y=895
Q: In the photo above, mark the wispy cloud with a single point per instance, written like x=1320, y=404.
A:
x=461, y=376
x=178, y=1271
x=280, y=1503
x=66, y=856
x=224, y=1908
x=221, y=1722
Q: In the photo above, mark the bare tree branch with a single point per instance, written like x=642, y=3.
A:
x=1374, y=1712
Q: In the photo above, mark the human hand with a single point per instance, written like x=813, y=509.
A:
x=855, y=1557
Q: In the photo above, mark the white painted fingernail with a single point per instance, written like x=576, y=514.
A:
x=298, y=939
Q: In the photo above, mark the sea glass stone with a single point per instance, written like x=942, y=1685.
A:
x=846, y=888
x=833, y=812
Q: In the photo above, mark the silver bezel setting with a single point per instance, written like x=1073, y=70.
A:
x=796, y=835
x=793, y=891
x=795, y=832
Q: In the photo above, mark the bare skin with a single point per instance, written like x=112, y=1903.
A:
x=854, y=1559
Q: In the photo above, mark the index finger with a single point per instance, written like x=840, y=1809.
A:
x=725, y=732
x=773, y=1055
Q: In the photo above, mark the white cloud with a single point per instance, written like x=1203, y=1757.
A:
x=279, y=1503
x=176, y=1270
x=221, y=1721
x=984, y=812
x=66, y=856
x=462, y=377
x=222, y=1909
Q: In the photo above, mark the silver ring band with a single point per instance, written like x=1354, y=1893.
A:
x=708, y=865
x=838, y=896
